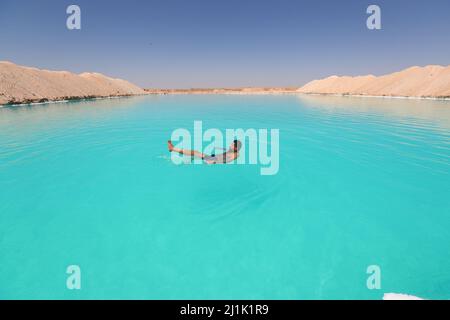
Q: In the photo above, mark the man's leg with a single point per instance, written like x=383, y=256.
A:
x=186, y=152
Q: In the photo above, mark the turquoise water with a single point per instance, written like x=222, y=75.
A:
x=362, y=181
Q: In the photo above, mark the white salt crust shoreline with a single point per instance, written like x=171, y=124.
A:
x=68, y=100
x=227, y=93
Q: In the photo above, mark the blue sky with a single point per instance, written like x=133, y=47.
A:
x=211, y=43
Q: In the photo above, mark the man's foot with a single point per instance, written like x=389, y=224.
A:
x=170, y=145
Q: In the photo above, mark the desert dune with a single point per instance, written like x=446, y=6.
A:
x=425, y=82
x=20, y=84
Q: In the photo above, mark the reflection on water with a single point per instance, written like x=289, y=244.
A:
x=49, y=113
x=437, y=111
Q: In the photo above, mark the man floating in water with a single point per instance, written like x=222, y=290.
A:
x=230, y=155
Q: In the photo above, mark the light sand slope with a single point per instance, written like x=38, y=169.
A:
x=24, y=85
x=429, y=81
x=400, y=296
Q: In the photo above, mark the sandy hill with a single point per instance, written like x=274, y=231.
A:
x=429, y=81
x=24, y=85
